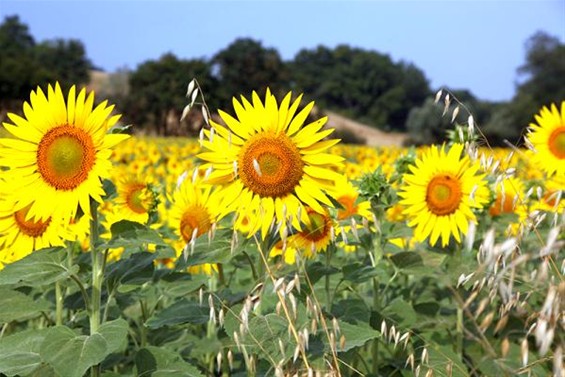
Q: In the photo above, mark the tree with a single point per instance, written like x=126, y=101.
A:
x=362, y=84
x=64, y=61
x=156, y=91
x=17, y=65
x=245, y=66
x=544, y=84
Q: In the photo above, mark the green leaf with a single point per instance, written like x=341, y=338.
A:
x=356, y=335
x=218, y=250
x=135, y=270
x=263, y=335
x=182, y=284
x=159, y=362
x=183, y=311
x=357, y=273
x=42, y=267
x=17, y=306
x=71, y=354
x=400, y=312
x=133, y=236
x=115, y=333
x=407, y=259
x=19, y=353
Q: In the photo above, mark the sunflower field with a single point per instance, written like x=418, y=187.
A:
x=268, y=248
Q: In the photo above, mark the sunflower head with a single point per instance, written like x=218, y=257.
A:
x=547, y=139
x=270, y=164
x=439, y=193
x=61, y=149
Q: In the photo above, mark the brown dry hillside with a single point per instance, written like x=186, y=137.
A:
x=372, y=136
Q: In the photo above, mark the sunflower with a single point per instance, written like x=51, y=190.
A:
x=270, y=164
x=21, y=235
x=547, y=138
x=348, y=197
x=136, y=198
x=60, y=151
x=315, y=237
x=509, y=197
x=440, y=192
x=195, y=209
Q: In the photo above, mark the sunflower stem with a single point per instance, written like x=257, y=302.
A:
x=97, y=272
x=58, y=304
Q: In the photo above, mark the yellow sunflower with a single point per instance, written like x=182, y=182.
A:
x=59, y=153
x=548, y=140
x=439, y=193
x=270, y=163
x=195, y=208
x=135, y=200
x=315, y=237
x=20, y=235
x=509, y=196
x=348, y=197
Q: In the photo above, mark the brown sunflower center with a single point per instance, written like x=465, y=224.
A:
x=195, y=217
x=318, y=228
x=65, y=156
x=556, y=142
x=30, y=228
x=270, y=165
x=137, y=198
x=443, y=195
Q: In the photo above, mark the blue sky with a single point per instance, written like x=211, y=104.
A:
x=477, y=45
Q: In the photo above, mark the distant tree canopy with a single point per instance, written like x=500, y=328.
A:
x=156, y=90
x=544, y=84
x=360, y=84
x=25, y=64
x=364, y=85
x=246, y=66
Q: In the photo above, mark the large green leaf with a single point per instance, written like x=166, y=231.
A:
x=135, y=270
x=71, y=354
x=42, y=267
x=356, y=335
x=18, y=306
x=115, y=333
x=19, y=353
x=183, y=311
x=160, y=362
x=134, y=237
x=217, y=250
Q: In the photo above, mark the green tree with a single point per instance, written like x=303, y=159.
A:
x=17, y=65
x=362, y=84
x=544, y=84
x=64, y=61
x=155, y=98
x=245, y=66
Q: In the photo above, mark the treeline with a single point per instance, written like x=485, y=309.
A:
x=364, y=85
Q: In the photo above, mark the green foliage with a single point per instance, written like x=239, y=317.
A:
x=26, y=64
x=154, y=89
x=362, y=84
x=245, y=66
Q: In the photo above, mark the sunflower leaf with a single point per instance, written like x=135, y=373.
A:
x=19, y=352
x=42, y=267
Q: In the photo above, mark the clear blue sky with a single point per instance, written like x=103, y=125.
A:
x=476, y=45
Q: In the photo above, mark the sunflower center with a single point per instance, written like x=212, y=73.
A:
x=443, y=195
x=318, y=227
x=195, y=217
x=270, y=165
x=557, y=142
x=137, y=199
x=29, y=227
x=65, y=156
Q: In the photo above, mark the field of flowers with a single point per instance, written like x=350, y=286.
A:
x=266, y=248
